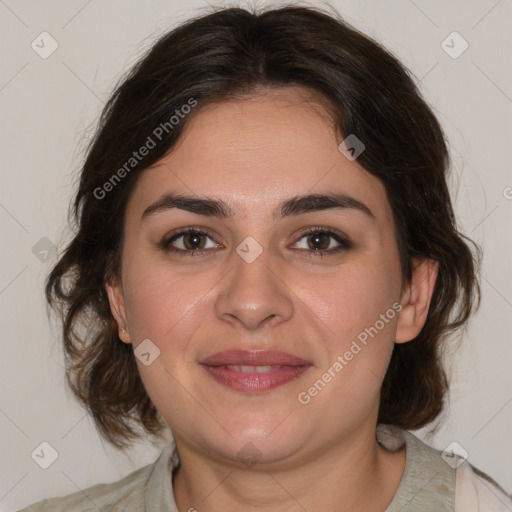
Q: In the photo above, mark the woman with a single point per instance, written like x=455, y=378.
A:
x=267, y=262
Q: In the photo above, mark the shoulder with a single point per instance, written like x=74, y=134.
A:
x=441, y=481
x=477, y=492
x=124, y=495
x=473, y=490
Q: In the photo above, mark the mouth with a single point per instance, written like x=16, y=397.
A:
x=254, y=372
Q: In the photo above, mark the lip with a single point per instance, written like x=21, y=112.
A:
x=224, y=367
x=253, y=358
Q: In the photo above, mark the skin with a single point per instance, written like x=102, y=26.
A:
x=253, y=154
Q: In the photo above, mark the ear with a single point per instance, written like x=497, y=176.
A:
x=415, y=299
x=117, y=307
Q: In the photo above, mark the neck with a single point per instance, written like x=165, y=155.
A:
x=354, y=474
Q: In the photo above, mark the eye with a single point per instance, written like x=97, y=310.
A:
x=190, y=240
x=319, y=241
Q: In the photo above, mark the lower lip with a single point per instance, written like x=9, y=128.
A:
x=255, y=382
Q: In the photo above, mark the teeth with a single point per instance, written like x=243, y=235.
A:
x=250, y=369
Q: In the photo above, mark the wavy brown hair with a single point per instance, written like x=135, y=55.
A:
x=232, y=53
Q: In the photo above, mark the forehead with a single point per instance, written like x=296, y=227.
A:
x=258, y=151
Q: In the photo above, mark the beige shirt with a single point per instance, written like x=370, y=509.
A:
x=429, y=484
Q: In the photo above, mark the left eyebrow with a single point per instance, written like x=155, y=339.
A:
x=294, y=206
x=317, y=202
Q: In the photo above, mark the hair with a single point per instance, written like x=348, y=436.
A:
x=233, y=53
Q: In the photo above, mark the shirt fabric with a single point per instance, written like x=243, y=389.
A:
x=429, y=484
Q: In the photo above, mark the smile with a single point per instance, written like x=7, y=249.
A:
x=254, y=372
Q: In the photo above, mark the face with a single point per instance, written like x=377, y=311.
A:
x=270, y=319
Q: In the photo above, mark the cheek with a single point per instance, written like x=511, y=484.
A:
x=168, y=309
x=160, y=304
x=354, y=298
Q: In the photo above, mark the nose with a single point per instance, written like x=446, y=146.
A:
x=254, y=294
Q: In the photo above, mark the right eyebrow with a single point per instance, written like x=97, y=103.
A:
x=198, y=205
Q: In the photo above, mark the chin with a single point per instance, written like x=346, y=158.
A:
x=265, y=440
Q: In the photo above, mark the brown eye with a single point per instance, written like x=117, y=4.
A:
x=320, y=241
x=193, y=241
x=189, y=241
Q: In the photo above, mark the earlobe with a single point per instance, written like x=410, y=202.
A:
x=117, y=308
x=415, y=300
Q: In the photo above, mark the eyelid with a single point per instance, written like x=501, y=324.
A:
x=323, y=229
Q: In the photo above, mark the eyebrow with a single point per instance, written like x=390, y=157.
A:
x=293, y=206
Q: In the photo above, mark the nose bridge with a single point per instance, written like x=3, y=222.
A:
x=253, y=292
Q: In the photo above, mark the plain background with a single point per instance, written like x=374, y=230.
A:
x=48, y=107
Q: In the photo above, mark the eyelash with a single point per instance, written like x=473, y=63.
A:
x=344, y=243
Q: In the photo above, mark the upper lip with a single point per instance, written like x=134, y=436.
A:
x=253, y=358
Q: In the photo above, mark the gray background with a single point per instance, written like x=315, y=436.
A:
x=48, y=107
